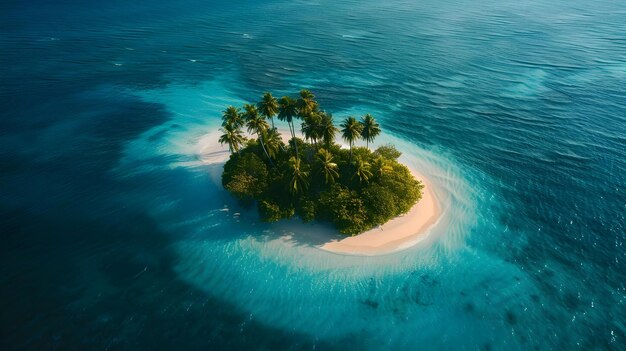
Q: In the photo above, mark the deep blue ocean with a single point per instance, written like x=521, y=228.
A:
x=115, y=237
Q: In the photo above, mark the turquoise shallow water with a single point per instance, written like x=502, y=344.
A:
x=116, y=236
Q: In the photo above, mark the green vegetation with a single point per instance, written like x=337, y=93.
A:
x=355, y=189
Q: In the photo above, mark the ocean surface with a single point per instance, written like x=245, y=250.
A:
x=115, y=236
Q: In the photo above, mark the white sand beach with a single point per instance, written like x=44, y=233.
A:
x=397, y=234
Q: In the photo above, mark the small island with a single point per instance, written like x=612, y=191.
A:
x=356, y=189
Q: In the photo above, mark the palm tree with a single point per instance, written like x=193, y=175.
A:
x=371, y=129
x=273, y=142
x=256, y=124
x=287, y=110
x=249, y=112
x=381, y=167
x=232, y=116
x=298, y=180
x=362, y=171
x=327, y=129
x=233, y=137
x=306, y=103
x=351, y=131
x=327, y=167
x=311, y=127
x=268, y=106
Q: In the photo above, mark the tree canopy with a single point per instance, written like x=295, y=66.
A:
x=355, y=189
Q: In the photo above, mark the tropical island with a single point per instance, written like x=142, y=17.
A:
x=356, y=189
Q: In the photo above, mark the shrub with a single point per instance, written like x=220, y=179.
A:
x=361, y=153
x=345, y=209
x=306, y=209
x=272, y=212
x=388, y=151
x=245, y=176
x=405, y=189
x=380, y=203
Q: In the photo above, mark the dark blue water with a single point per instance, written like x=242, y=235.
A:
x=114, y=234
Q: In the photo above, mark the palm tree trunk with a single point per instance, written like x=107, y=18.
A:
x=281, y=144
x=293, y=137
x=264, y=150
x=350, y=152
x=367, y=144
x=290, y=131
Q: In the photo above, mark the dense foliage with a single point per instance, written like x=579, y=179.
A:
x=355, y=189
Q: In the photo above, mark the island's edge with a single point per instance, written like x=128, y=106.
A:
x=398, y=233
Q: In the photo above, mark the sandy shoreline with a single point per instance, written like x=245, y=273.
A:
x=397, y=234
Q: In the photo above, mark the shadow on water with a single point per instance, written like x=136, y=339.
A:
x=241, y=219
x=293, y=231
x=77, y=270
x=71, y=283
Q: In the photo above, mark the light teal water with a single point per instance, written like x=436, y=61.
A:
x=116, y=236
